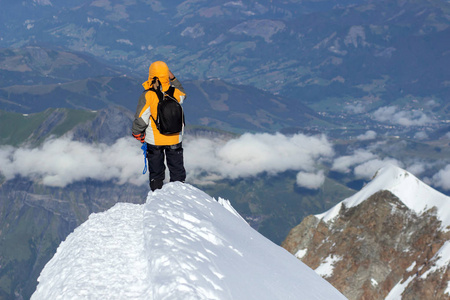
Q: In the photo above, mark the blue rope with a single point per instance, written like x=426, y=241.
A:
x=144, y=148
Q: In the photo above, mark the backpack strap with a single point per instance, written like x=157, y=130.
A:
x=170, y=91
x=160, y=96
x=157, y=92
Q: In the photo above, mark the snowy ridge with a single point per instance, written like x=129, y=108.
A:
x=180, y=244
x=415, y=194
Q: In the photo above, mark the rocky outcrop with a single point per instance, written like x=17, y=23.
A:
x=55, y=117
x=377, y=249
x=109, y=124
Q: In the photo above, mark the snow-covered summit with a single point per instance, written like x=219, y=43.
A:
x=415, y=194
x=391, y=240
x=180, y=244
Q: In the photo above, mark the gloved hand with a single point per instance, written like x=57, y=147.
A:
x=140, y=137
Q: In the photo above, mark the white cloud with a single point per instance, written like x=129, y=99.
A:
x=311, y=181
x=442, y=178
x=369, y=168
x=29, y=24
x=253, y=154
x=391, y=114
x=369, y=135
x=364, y=163
x=357, y=108
x=344, y=163
x=43, y=2
x=416, y=168
x=125, y=41
x=95, y=20
x=421, y=135
x=59, y=162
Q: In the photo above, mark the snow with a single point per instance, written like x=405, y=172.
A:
x=325, y=269
x=411, y=267
x=397, y=290
x=180, y=244
x=374, y=282
x=441, y=259
x=301, y=253
x=415, y=194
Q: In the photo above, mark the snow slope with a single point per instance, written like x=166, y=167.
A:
x=181, y=244
x=415, y=194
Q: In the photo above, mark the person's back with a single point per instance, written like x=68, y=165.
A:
x=159, y=146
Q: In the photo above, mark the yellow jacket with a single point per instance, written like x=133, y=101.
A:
x=148, y=104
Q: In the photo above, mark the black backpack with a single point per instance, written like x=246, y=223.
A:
x=170, y=117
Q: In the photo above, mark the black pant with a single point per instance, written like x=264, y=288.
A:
x=174, y=156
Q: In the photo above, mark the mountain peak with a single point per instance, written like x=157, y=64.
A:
x=416, y=195
x=388, y=241
x=180, y=244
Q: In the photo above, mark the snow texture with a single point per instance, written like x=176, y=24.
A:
x=397, y=290
x=415, y=194
x=180, y=244
x=327, y=266
x=441, y=259
x=301, y=253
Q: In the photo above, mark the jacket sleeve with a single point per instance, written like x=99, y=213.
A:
x=141, y=118
x=181, y=95
x=177, y=84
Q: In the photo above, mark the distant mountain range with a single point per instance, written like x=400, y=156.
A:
x=375, y=52
x=36, y=79
x=390, y=240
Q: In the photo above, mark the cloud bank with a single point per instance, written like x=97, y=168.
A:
x=369, y=135
x=345, y=163
x=363, y=163
x=442, y=178
x=369, y=168
x=355, y=108
x=392, y=115
x=311, y=181
x=253, y=154
x=59, y=162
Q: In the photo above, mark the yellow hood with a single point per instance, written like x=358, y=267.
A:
x=161, y=70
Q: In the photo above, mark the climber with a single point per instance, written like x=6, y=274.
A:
x=161, y=82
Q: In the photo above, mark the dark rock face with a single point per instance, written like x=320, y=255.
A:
x=373, y=247
x=55, y=118
x=110, y=124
